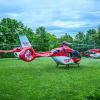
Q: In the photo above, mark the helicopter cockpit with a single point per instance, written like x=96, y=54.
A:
x=75, y=54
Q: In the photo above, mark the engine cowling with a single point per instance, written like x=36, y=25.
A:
x=27, y=54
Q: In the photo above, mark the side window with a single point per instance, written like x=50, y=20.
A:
x=56, y=51
x=70, y=54
x=92, y=53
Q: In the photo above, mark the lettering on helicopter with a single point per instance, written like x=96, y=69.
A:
x=67, y=60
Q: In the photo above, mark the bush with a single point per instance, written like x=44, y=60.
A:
x=7, y=55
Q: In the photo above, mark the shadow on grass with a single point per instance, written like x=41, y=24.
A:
x=68, y=66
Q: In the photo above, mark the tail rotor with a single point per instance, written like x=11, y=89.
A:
x=27, y=54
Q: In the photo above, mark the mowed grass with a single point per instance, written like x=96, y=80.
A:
x=42, y=80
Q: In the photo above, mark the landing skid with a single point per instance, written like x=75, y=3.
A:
x=68, y=65
x=57, y=64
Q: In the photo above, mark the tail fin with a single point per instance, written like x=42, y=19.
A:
x=24, y=41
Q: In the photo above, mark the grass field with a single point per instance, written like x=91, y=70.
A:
x=42, y=80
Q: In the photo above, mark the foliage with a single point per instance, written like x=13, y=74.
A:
x=80, y=37
x=10, y=29
x=42, y=40
x=67, y=38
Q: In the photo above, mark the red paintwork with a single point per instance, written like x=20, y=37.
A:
x=44, y=54
x=51, y=53
x=76, y=60
x=61, y=51
x=14, y=50
x=23, y=54
x=92, y=50
x=95, y=50
x=87, y=54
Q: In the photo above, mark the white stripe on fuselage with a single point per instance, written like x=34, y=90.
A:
x=62, y=60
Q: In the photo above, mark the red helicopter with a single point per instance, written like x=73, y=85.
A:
x=94, y=53
x=62, y=55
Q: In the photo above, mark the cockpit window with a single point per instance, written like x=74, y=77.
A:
x=92, y=53
x=56, y=51
x=75, y=54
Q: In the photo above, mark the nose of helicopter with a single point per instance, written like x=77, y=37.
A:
x=75, y=60
x=75, y=55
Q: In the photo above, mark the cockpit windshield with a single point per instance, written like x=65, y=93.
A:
x=55, y=51
x=75, y=54
x=92, y=53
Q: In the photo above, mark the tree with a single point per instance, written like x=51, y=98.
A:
x=66, y=38
x=53, y=41
x=97, y=36
x=29, y=33
x=90, y=34
x=42, y=39
x=8, y=30
x=80, y=37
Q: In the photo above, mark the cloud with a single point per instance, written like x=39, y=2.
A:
x=57, y=16
x=69, y=24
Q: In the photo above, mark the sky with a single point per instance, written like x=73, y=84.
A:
x=58, y=16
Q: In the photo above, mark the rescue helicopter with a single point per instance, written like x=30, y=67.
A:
x=94, y=53
x=62, y=55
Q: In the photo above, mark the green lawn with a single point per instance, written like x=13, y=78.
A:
x=42, y=80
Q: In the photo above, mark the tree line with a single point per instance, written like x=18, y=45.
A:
x=42, y=40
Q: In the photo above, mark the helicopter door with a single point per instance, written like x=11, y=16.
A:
x=64, y=50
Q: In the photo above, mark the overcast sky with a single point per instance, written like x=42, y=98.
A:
x=58, y=16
